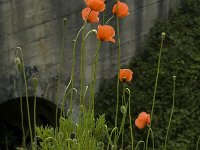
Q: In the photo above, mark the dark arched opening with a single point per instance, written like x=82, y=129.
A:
x=11, y=122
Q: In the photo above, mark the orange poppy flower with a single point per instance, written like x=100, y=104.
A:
x=125, y=75
x=106, y=33
x=96, y=5
x=91, y=16
x=142, y=120
x=120, y=9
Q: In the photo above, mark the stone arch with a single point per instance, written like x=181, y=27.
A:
x=11, y=122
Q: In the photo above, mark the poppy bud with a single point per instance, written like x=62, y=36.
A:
x=64, y=21
x=94, y=31
x=123, y=110
x=114, y=147
x=163, y=35
x=35, y=83
x=174, y=77
x=18, y=63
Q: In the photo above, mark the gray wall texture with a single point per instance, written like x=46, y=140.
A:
x=37, y=27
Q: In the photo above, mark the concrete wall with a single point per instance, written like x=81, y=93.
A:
x=37, y=27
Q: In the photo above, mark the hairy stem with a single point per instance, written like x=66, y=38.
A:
x=155, y=88
x=172, y=111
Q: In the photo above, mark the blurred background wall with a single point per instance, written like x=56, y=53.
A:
x=37, y=27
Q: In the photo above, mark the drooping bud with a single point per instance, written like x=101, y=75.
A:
x=18, y=63
x=94, y=31
x=35, y=83
x=123, y=110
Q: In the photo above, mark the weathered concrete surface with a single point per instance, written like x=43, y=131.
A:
x=36, y=26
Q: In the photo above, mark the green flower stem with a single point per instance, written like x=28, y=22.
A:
x=172, y=111
x=73, y=63
x=115, y=129
x=85, y=93
x=155, y=88
x=122, y=124
x=124, y=116
x=26, y=91
x=82, y=66
x=64, y=98
x=109, y=138
x=129, y=111
x=22, y=114
x=93, y=74
x=82, y=73
x=152, y=137
x=60, y=70
x=139, y=143
x=109, y=19
x=35, y=91
x=117, y=105
x=197, y=147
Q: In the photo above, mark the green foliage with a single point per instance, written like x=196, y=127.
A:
x=180, y=57
x=82, y=136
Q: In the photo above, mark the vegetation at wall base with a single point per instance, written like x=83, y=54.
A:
x=180, y=57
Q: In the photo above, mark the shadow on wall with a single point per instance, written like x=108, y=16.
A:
x=10, y=118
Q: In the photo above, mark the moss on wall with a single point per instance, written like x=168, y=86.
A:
x=180, y=57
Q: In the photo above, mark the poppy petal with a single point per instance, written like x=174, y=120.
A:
x=91, y=16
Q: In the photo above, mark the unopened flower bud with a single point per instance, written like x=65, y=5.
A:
x=174, y=77
x=94, y=31
x=35, y=83
x=114, y=147
x=64, y=21
x=123, y=110
x=18, y=63
x=163, y=35
x=17, y=60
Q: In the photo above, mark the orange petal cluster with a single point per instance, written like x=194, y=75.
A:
x=125, y=75
x=120, y=9
x=90, y=15
x=106, y=33
x=142, y=120
x=96, y=5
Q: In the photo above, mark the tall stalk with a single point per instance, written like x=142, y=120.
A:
x=93, y=74
x=155, y=87
x=19, y=67
x=172, y=111
x=119, y=65
x=60, y=69
x=197, y=146
x=35, y=84
x=22, y=115
x=73, y=64
x=129, y=110
x=26, y=91
x=82, y=66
